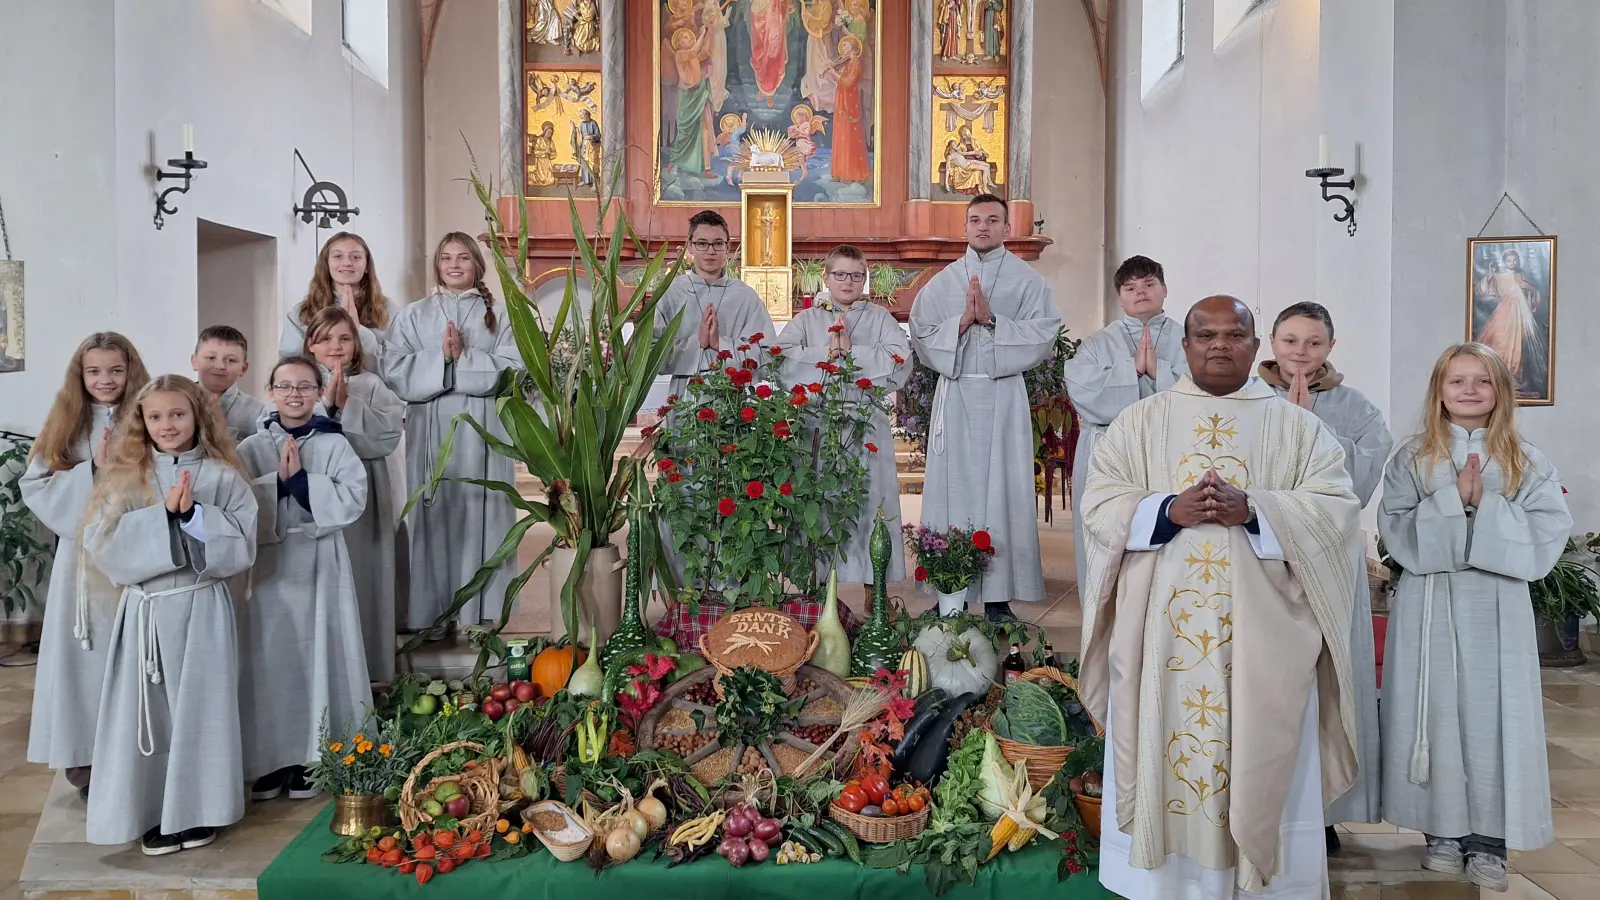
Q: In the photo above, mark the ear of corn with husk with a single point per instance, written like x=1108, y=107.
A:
x=1006, y=794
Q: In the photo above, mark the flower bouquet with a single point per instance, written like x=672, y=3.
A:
x=949, y=560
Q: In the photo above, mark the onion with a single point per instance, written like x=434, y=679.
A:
x=637, y=821
x=654, y=811
x=739, y=853
x=766, y=829
x=759, y=851
x=622, y=844
x=737, y=826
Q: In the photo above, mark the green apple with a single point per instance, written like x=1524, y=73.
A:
x=425, y=705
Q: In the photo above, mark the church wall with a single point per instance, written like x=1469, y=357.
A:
x=460, y=99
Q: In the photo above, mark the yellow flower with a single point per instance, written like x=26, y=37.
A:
x=363, y=747
x=349, y=759
x=385, y=749
x=336, y=746
x=358, y=738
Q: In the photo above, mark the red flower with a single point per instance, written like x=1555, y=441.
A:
x=830, y=368
x=781, y=429
x=748, y=414
x=740, y=377
x=775, y=351
x=674, y=477
x=799, y=399
x=706, y=414
x=724, y=354
x=725, y=506
x=864, y=383
x=786, y=489
x=981, y=540
x=824, y=365
x=872, y=448
x=835, y=328
x=729, y=448
x=750, y=364
x=647, y=431
x=898, y=359
x=814, y=387
x=763, y=391
x=666, y=465
x=661, y=412
x=921, y=574
x=754, y=490
x=671, y=399
x=758, y=337
x=744, y=348
x=696, y=381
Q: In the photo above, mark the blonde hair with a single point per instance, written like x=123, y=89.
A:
x=73, y=412
x=372, y=308
x=462, y=238
x=124, y=483
x=324, y=323
x=1504, y=444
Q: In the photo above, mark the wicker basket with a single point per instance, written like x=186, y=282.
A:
x=1042, y=762
x=564, y=851
x=881, y=829
x=785, y=675
x=480, y=785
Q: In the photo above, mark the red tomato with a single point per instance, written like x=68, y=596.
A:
x=876, y=786
x=853, y=799
x=890, y=806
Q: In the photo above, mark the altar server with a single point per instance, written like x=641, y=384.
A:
x=344, y=277
x=221, y=357
x=1471, y=512
x=720, y=312
x=70, y=452
x=371, y=416
x=1117, y=366
x=171, y=519
x=980, y=323
x=1302, y=338
x=300, y=648
x=846, y=324
x=444, y=357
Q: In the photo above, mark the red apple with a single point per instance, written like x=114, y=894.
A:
x=501, y=692
x=513, y=705
x=458, y=807
x=525, y=691
x=494, y=709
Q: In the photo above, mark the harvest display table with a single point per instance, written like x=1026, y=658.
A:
x=299, y=873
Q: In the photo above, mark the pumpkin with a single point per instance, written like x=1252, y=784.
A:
x=552, y=667
x=958, y=663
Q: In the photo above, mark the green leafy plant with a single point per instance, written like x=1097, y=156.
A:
x=884, y=280
x=808, y=276
x=1569, y=589
x=752, y=708
x=23, y=554
x=365, y=757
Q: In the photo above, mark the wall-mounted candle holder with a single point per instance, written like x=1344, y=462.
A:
x=186, y=166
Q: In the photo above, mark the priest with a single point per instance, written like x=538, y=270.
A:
x=1219, y=522
x=720, y=313
x=980, y=323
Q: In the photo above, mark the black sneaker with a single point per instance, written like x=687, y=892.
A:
x=300, y=788
x=269, y=787
x=154, y=843
x=1333, y=840
x=998, y=612
x=191, y=838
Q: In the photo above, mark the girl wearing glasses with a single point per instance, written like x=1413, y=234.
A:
x=300, y=652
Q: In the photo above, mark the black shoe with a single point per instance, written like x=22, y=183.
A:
x=154, y=843
x=191, y=838
x=1333, y=840
x=269, y=787
x=300, y=788
x=83, y=793
x=998, y=612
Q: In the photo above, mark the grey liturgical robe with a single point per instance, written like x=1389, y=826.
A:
x=292, y=335
x=373, y=420
x=1461, y=646
x=78, y=612
x=1102, y=382
x=300, y=646
x=980, y=439
x=883, y=352
x=167, y=749
x=242, y=412
x=740, y=314
x=457, y=529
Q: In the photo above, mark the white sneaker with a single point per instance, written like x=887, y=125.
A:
x=1444, y=855
x=1487, y=871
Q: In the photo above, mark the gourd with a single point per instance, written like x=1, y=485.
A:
x=876, y=644
x=915, y=665
x=552, y=667
x=958, y=663
x=588, y=681
x=833, y=645
x=630, y=634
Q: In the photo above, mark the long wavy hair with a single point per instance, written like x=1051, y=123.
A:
x=125, y=482
x=372, y=308
x=465, y=240
x=73, y=412
x=325, y=322
x=1504, y=443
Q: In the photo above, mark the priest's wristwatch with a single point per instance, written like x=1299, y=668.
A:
x=1251, y=505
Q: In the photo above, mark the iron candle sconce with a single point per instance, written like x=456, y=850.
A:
x=185, y=165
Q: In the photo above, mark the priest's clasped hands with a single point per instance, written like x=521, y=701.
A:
x=1210, y=500
x=1469, y=482
x=977, y=311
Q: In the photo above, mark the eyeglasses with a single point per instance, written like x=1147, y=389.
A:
x=283, y=387
x=706, y=246
x=852, y=277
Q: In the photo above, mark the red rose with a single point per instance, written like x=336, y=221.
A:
x=763, y=391
x=864, y=383
x=750, y=364
x=661, y=412
x=724, y=354
x=781, y=429
x=674, y=477
x=744, y=348
x=898, y=359
x=799, y=399
x=758, y=337
x=754, y=490
x=835, y=328
x=647, y=431
x=814, y=387
x=786, y=489
x=725, y=506
x=666, y=465
x=671, y=399
x=921, y=574
x=872, y=448
x=775, y=351
x=729, y=448
x=696, y=381
x=981, y=540
x=731, y=371
x=740, y=377
x=706, y=415
x=748, y=414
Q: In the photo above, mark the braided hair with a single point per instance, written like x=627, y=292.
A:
x=465, y=240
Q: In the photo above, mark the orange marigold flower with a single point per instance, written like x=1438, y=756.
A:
x=336, y=746
x=385, y=749
x=350, y=759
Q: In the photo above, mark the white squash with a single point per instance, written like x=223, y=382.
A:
x=958, y=663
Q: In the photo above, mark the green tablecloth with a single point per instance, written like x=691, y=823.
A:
x=300, y=874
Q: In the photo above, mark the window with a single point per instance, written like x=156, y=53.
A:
x=1161, y=44
x=366, y=37
x=296, y=11
x=1228, y=15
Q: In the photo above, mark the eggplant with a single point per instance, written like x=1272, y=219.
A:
x=928, y=698
x=914, y=729
x=932, y=749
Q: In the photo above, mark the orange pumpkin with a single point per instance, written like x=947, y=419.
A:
x=553, y=666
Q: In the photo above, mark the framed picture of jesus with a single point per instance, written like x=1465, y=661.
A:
x=1511, y=306
x=792, y=79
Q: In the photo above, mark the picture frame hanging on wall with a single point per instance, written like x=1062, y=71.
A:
x=1511, y=306
x=13, y=331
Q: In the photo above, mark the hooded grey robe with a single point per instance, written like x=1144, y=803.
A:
x=242, y=412
x=300, y=642
x=740, y=314
x=292, y=335
x=167, y=749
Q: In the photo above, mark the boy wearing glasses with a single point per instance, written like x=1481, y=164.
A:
x=221, y=357
x=845, y=324
x=720, y=313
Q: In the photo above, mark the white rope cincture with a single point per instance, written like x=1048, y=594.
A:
x=1419, y=748
x=80, y=606
x=150, y=655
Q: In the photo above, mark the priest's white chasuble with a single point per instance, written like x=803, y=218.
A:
x=1210, y=648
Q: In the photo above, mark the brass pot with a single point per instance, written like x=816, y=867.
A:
x=355, y=814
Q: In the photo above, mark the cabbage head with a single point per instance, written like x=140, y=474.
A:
x=1029, y=715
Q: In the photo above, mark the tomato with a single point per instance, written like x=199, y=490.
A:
x=916, y=803
x=890, y=806
x=876, y=786
x=852, y=799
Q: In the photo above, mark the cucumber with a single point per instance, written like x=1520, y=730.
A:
x=852, y=847
x=819, y=840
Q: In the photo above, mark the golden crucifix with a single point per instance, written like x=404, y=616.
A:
x=769, y=231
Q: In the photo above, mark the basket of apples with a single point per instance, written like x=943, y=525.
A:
x=471, y=798
x=506, y=698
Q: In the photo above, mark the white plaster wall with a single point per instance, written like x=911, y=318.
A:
x=461, y=103
x=237, y=282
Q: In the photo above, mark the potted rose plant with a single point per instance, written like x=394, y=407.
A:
x=949, y=560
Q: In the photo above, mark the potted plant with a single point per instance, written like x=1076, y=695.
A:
x=808, y=279
x=1083, y=770
x=24, y=554
x=1561, y=600
x=883, y=281
x=949, y=560
x=357, y=766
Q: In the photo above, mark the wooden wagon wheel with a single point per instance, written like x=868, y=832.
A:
x=673, y=717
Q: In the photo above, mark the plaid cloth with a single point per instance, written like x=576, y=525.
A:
x=686, y=630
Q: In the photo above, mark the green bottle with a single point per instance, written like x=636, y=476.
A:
x=876, y=644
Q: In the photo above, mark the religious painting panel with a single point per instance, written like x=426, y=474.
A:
x=562, y=144
x=969, y=136
x=970, y=32
x=1511, y=306
x=559, y=31
x=748, y=83
x=12, y=330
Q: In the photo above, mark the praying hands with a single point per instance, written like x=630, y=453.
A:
x=709, y=338
x=1211, y=499
x=977, y=311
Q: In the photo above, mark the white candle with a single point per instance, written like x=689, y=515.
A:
x=188, y=138
x=1322, y=151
